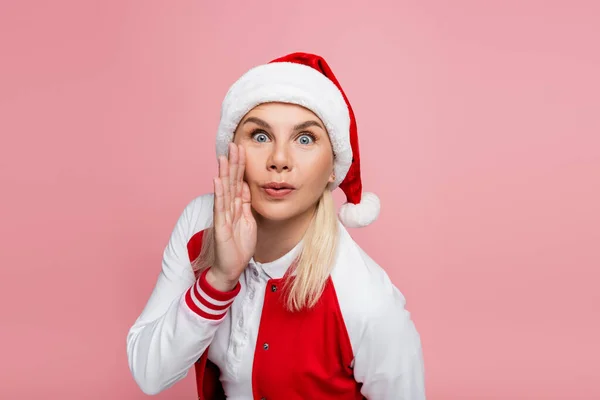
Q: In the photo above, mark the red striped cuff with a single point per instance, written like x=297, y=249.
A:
x=207, y=301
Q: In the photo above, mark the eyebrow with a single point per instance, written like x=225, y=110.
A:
x=307, y=124
x=264, y=124
x=257, y=121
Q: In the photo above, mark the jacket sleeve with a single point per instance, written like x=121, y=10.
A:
x=389, y=361
x=181, y=316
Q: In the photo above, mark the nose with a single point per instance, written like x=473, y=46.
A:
x=279, y=159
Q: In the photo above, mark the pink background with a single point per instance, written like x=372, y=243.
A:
x=479, y=127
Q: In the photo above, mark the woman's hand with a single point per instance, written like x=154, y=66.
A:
x=234, y=224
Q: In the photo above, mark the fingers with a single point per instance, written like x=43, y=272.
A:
x=224, y=178
x=219, y=204
x=233, y=170
x=241, y=170
x=247, y=202
x=231, y=179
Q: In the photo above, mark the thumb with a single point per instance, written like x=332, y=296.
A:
x=247, y=209
x=246, y=197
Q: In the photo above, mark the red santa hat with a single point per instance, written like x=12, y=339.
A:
x=306, y=80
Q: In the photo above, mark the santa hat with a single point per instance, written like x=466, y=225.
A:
x=306, y=80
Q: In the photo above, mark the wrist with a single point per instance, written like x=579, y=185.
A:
x=219, y=282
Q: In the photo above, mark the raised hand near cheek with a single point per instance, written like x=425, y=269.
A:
x=234, y=224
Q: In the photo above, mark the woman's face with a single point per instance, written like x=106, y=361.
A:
x=285, y=145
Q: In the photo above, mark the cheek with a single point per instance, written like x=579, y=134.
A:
x=318, y=166
x=249, y=173
x=253, y=165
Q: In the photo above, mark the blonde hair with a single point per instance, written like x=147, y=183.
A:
x=313, y=264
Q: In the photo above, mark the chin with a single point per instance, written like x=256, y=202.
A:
x=272, y=211
x=277, y=211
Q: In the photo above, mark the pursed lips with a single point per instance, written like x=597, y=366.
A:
x=278, y=189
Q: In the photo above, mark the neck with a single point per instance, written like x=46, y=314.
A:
x=277, y=238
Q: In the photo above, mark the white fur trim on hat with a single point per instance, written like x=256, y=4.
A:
x=362, y=214
x=290, y=83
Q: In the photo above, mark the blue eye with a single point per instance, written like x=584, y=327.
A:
x=260, y=137
x=306, y=139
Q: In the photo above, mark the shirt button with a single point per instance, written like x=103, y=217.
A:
x=273, y=288
x=266, y=346
x=241, y=323
x=251, y=295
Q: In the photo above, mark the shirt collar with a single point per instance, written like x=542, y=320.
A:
x=276, y=269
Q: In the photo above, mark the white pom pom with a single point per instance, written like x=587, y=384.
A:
x=362, y=214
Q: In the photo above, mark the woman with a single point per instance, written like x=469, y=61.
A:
x=262, y=290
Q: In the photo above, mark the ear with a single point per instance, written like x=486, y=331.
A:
x=331, y=178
